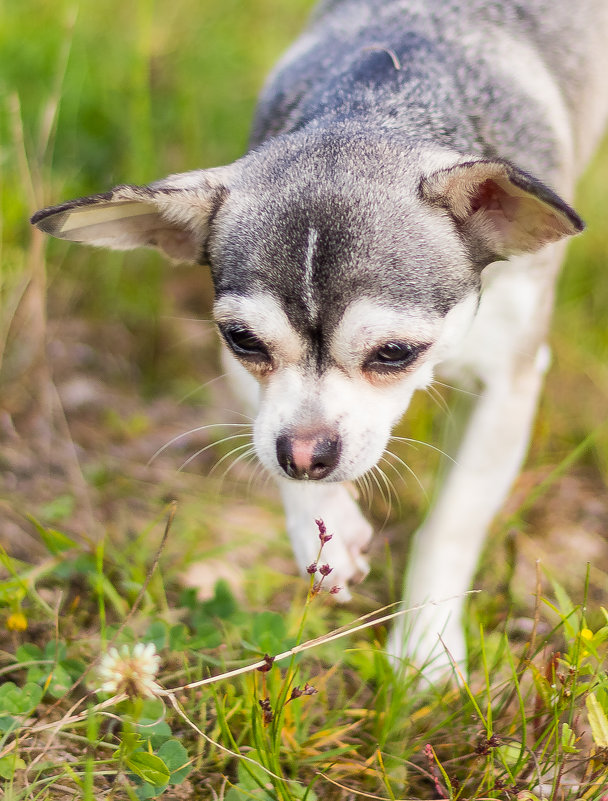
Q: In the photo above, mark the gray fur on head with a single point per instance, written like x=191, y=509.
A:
x=384, y=162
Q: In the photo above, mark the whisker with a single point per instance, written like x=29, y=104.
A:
x=195, y=431
x=254, y=466
x=240, y=413
x=372, y=476
x=441, y=402
x=210, y=445
x=391, y=489
x=457, y=389
x=201, y=387
x=370, y=489
x=208, y=321
x=410, y=471
x=392, y=483
x=267, y=478
x=415, y=442
x=363, y=487
x=225, y=409
x=242, y=458
x=360, y=489
x=250, y=450
x=392, y=466
x=259, y=468
x=388, y=500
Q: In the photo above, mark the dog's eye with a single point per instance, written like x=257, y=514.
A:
x=393, y=356
x=244, y=343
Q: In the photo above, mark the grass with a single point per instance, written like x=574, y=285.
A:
x=323, y=717
x=104, y=358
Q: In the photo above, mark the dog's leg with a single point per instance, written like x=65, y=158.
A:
x=307, y=501
x=447, y=547
x=511, y=360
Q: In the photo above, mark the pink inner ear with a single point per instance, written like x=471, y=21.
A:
x=490, y=196
x=505, y=213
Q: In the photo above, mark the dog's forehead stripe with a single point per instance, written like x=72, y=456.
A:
x=309, y=294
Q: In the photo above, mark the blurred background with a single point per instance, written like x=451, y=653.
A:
x=105, y=358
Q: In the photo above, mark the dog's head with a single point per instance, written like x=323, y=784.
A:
x=344, y=271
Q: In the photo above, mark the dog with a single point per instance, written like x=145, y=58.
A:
x=401, y=212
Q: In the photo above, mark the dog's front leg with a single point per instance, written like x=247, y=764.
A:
x=447, y=547
x=307, y=501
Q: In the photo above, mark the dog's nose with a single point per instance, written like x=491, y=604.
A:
x=311, y=457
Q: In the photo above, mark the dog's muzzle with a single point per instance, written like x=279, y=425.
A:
x=308, y=457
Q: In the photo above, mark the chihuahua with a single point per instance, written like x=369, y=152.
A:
x=401, y=212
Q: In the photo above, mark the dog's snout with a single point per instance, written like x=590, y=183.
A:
x=308, y=457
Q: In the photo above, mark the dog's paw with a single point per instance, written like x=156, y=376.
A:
x=348, y=565
x=343, y=518
x=350, y=532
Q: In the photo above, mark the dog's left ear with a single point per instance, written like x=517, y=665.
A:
x=500, y=210
x=172, y=215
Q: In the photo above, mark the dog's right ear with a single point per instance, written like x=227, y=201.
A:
x=499, y=210
x=173, y=215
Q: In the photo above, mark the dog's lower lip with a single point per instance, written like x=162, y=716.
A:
x=327, y=480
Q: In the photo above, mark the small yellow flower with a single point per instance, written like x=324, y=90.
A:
x=17, y=621
x=586, y=634
x=130, y=671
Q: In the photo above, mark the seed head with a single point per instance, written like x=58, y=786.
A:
x=268, y=663
x=267, y=713
x=296, y=692
x=323, y=535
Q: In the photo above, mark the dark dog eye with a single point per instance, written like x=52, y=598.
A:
x=393, y=356
x=244, y=343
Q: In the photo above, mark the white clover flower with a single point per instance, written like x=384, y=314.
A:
x=130, y=671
